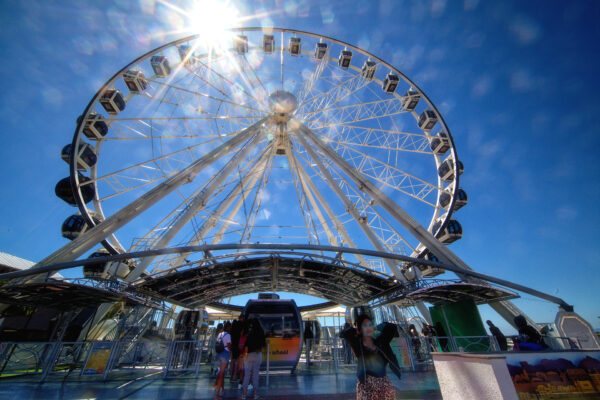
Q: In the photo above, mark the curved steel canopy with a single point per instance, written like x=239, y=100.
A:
x=205, y=284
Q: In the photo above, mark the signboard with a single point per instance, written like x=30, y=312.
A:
x=98, y=359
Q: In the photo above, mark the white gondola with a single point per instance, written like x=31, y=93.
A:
x=94, y=126
x=295, y=46
x=86, y=157
x=461, y=199
x=107, y=270
x=160, y=66
x=390, y=83
x=451, y=232
x=368, y=69
x=135, y=80
x=240, y=44
x=75, y=225
x=427, y=120
x=320, y=50
x=64, y=192
x=446, y=169
x=411, y=99
x=345, y=59
x=429, y=270
x=186, y=54
x=440, y=143
x=112, y=100
x=268, y=44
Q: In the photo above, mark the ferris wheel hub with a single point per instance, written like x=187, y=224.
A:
x=283, y=102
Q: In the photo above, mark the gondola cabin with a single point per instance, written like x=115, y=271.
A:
x=75, y=225
x=86, y=157
x=240, y=44
x=451, y=232
x=160, y=66
x=411, y=99
x=113, y=102
x=429, y=270
x=368, y=70
x=106, y=270
x=461, y=199
x=282, y=323
x=94, y=126
x=427, y=120
x=344, y=59
x=295, y=46
x=440, y=143
x=135, y=80
x=446, y=169
x=390, y=83
x=64, y=192
x=320, y=50
x=268, y=44
x=186, y=54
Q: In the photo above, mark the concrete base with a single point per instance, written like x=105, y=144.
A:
x=465, y=376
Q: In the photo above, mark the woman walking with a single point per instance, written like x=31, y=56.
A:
x=372, y=355
x=223, y=350
x=252, y=356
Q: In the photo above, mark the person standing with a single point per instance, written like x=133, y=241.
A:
x=497, y=333
x=223, y=350
x=252, y=356
x=372, y=355
x=346, y=346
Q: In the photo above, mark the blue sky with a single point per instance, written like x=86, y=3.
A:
x=516, y=81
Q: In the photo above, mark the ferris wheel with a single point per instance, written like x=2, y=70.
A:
x=272, y=136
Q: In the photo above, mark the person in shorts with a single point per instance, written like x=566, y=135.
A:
x=223, y=343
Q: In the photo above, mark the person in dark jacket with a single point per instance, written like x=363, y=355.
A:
x=252, y=355
x=497, y=333
x=373, y=355
x=529, y=338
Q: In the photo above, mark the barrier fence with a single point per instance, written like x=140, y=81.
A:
x=175, y=358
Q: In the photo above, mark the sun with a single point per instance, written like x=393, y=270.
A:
x=211, y=20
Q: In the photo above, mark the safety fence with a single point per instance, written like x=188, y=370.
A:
x=173, y=358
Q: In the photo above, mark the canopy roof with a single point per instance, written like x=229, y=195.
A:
x=455, y=292
x=203, y=285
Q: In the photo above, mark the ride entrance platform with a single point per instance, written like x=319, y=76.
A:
x=148, y=384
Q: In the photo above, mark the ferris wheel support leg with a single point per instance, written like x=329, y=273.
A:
x=351, y=208
x=506, y=309
x=195, y=205
x=294, y=168
x=249, y=179
x=98, y=233
x=339, y=227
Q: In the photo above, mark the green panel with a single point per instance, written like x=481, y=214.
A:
x=464, y=320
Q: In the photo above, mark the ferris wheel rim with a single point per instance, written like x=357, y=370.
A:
x=116, y=247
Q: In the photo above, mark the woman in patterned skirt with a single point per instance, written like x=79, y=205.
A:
x=372, y=355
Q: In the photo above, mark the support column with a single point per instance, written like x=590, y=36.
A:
x=92, y=237
x=505, y=308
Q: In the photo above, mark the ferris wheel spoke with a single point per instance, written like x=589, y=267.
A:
x=355, y=112
x=208, y=96
x=387, y=234
x=229, y=83
x=309, y=83
x=391, y=176
x=334, y=95
x=349, y=135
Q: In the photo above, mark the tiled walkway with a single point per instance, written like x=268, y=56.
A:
x=150, y=385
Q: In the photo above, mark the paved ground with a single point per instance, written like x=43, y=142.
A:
x=150, y=385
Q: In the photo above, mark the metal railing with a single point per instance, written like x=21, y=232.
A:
x=185, y=357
